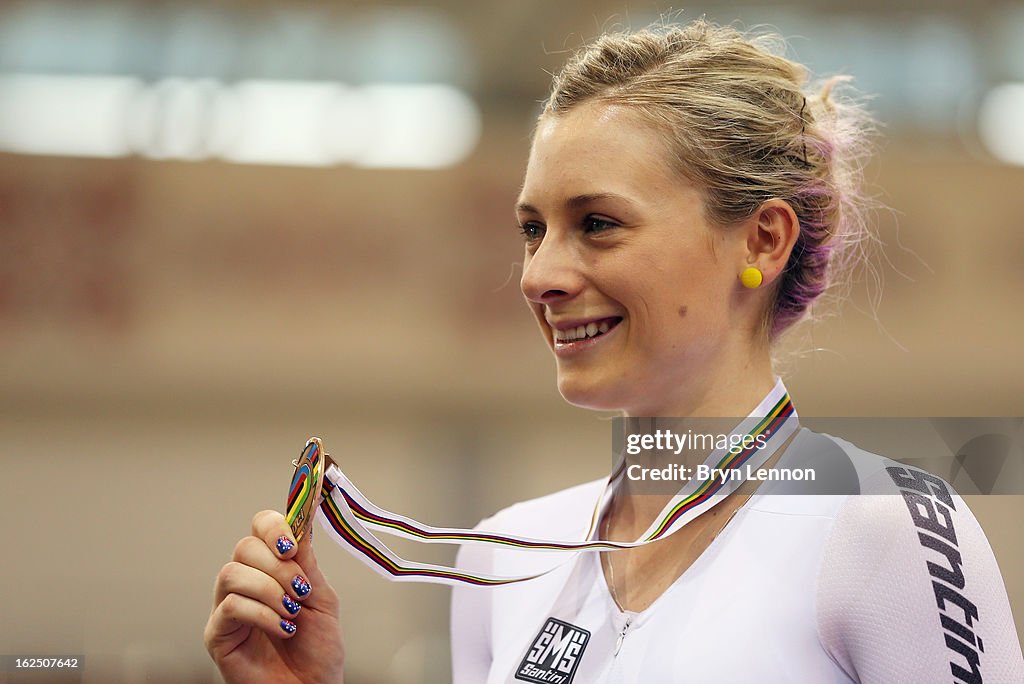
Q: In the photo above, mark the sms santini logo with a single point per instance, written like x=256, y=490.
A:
x=554, y=654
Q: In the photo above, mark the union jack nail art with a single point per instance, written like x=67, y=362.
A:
x=284, y=545
x=301, y=586
x=290, y=605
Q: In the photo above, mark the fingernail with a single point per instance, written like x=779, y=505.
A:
x=288, y=626
x=291, y=606
x=301, y=586
x=284, y=544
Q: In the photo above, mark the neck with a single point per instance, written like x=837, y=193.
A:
x=727, y=385
x=713, y=401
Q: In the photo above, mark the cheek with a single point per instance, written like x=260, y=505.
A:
x=538, y=315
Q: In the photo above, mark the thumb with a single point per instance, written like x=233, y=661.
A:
x=323, y=596
x=306, y=558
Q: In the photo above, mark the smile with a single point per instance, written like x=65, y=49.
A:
x=581, y=335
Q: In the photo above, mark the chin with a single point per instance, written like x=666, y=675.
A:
x=589, y=393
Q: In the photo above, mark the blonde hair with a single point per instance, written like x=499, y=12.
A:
x=740, y=126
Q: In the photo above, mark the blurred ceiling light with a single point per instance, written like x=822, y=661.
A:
x=418, y=126
x=274, y=122
x=320, y=124
x=1001, y=122
x=170, y=120
x=293, y=123
x=79, y=116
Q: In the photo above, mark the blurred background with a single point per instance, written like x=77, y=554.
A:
x=226, y=226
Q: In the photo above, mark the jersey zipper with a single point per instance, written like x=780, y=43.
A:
x=622, y=634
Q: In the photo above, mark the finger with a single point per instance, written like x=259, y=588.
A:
x=289, y=574
x=237, y=578
x=237, y=611
x=270, y=526
x=306, y=559
x=326, y=599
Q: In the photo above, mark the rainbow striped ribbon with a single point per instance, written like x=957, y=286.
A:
x=349, y=516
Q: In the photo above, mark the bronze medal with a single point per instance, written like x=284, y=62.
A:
x=306, y=488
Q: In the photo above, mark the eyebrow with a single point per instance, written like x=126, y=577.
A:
x=577, y=201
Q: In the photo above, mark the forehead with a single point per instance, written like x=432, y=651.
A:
x=598, y=147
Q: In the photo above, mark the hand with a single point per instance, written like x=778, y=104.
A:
x=266, y=625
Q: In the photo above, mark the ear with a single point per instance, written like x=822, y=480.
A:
x=772, y=232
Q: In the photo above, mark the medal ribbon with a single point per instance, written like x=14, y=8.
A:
x=349, y=516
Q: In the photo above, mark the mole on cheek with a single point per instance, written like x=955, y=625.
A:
x=682, y=312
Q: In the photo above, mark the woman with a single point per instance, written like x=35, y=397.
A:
x=683, y=205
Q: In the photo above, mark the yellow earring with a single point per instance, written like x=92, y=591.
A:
x=751, y=278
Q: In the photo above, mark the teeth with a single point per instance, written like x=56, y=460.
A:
x=582, y=331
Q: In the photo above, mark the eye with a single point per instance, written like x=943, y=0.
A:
x=532, y=231
x=597, y=224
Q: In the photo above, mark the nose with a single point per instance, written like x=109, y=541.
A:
x=552, y=273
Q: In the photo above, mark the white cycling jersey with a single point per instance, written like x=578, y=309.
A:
x=896, y=583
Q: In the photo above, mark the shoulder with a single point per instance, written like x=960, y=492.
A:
x=899, y=517
x=908, y=584
x=897, y=504
x=833, y=467
x=878, y=474
x=819, y=475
